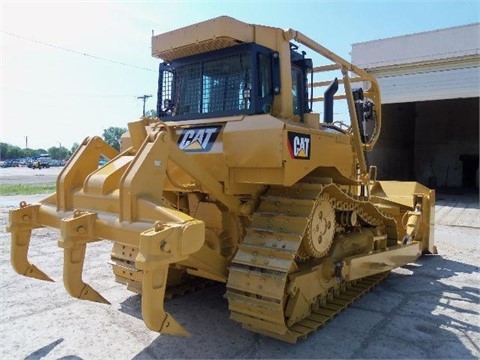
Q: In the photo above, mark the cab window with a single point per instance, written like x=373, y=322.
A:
x=297, y=84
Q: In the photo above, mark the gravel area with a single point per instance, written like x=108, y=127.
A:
x=25, y=175
x=428, y=309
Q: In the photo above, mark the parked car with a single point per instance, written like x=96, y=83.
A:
x=56, y=163
x=11, y=163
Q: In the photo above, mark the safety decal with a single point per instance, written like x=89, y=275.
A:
x=299, y=145
x=198, y=139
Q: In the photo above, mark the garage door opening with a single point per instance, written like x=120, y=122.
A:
x=433, y=142
x=470, y=171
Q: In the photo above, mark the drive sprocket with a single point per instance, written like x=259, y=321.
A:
x=318, y=237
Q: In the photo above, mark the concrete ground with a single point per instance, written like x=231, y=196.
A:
x=428, y=309
x=25, y=175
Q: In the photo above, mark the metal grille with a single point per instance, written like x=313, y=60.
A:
x=221, y=85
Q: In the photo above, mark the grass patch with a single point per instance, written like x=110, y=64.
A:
x=26, y=189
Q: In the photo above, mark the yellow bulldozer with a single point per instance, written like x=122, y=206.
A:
x=238, y=180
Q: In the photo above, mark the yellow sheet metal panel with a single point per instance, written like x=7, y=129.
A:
x=254, y=142
x=202, y=37
x=305, y=150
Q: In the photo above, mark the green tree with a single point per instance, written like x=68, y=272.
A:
x=112, y=136
x=74, y=147
x=58, y=153
x=29, y=153
x=3, y=150
x=64, y=153
x=12, y=152
x=151, y=113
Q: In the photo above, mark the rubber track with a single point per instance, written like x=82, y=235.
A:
x=259, y=271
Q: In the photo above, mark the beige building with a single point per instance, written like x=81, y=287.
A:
x=430, y=86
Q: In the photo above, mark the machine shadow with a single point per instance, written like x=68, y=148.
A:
x=458, y=198
x=44, y=351
x=425, y=331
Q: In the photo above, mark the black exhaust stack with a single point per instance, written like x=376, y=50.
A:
x=328, y=101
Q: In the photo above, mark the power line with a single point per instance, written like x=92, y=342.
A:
x=74, y=51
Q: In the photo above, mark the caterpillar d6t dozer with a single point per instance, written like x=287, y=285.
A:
x=239, y=181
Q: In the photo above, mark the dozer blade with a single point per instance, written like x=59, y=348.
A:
x=22, y=221
x=76, y=232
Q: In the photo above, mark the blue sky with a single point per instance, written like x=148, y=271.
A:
x=55, y=96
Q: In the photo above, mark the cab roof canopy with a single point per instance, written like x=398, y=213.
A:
x=214, y=34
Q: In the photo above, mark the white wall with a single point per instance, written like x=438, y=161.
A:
x=431, y=85
x=434, y=65
x=455, y=42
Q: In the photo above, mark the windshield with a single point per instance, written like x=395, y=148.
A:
x=220, y=85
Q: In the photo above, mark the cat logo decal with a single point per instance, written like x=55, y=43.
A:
x=299, y=145
x=198, y=139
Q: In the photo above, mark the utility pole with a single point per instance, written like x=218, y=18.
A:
x=144, y=98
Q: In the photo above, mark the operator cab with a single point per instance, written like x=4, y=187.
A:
x=232, y=81
x=238, y=80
